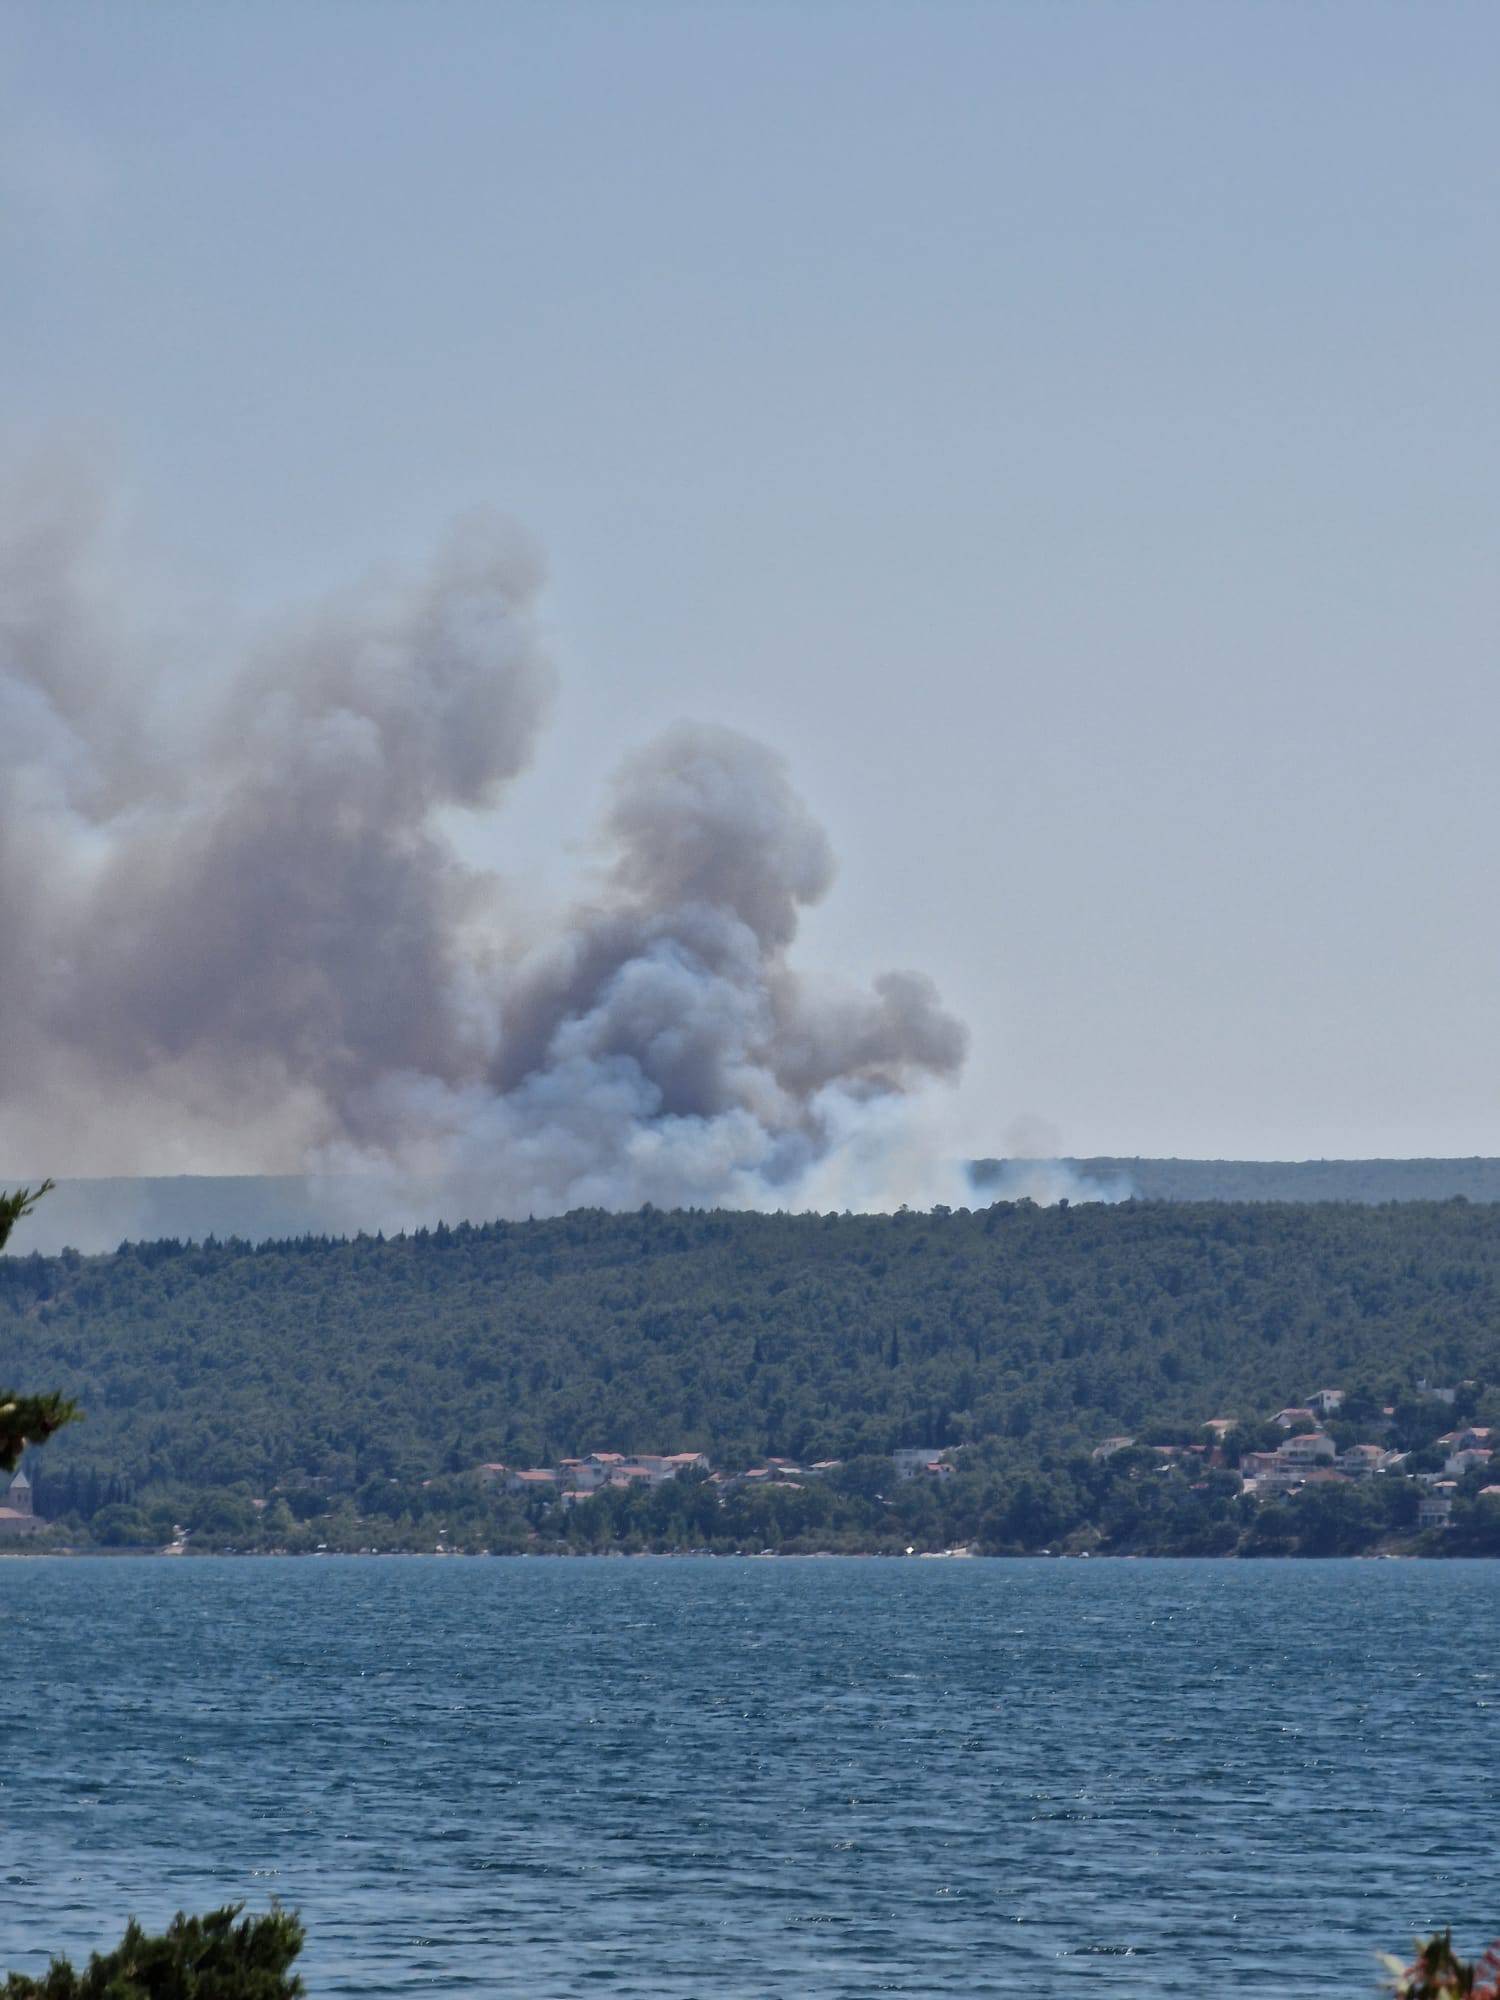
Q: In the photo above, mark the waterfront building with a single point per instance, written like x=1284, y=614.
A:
x=17, y=1518
x=1309, y=1449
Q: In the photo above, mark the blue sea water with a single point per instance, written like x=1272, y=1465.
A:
x=816, y=1778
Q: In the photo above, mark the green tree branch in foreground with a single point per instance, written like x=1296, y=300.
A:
x=213, y=1957
x=26, y=1419
x=14, y=1206
x=196, y=1958
x=225, y=1957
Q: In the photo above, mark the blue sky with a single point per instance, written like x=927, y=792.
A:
x=1067, y=431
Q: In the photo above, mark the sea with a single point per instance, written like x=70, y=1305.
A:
x=827, y=1777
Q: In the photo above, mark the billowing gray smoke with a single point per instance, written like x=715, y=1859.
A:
x=233, y=935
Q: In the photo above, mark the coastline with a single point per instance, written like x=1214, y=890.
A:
x=712, y=1555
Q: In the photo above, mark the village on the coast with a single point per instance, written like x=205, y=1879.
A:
x=1331, y=1439
x=574, y=1479
x=1308, y=1456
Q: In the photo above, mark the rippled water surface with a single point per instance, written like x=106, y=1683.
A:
x=821, y=1778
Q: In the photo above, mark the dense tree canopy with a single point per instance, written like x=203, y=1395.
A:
x=377, y=1372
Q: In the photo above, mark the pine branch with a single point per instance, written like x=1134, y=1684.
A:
x=26, y=1420
x=14, y=1206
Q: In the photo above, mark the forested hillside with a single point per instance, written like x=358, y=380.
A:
x=350, y=1366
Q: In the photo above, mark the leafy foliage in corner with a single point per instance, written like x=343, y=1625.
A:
x=220, y=1956
x=26, y=1419
x=14, y=1206
x=1438, y=1973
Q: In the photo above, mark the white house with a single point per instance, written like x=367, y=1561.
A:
x=1360, y=1460
x=1266, y=1473
x=672, y=1464
x=1306, y=1451
x=601, y=1463
x=1435, y=1508
x=1460, y=1462
x=1326, y=1402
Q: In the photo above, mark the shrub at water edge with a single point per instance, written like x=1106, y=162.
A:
x=213, y=1957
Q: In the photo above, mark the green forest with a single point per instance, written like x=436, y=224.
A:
x=341, y=1393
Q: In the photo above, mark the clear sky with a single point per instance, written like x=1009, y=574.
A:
x=1067, y=431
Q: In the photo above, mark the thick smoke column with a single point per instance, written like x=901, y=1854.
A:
x=233, y=935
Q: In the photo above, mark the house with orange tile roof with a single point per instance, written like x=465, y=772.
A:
x=1469, y=1437
x=534, y=1479
x=1307, y=1450
x=632, y=1475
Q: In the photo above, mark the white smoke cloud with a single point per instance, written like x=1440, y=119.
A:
x=233, y=936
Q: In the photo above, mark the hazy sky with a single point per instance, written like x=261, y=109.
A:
x=1067, y=431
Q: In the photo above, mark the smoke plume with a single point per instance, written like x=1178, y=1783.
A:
x=234, y=936
x=1036, y=1169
